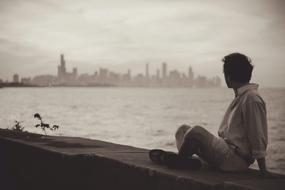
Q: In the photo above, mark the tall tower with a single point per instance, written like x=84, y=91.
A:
x=190, y=73
x=61, y=70
x=75, y=72
x=62, y=64
x=146, y=71
x=16, y=78
x=190, y=77
x=164, y=70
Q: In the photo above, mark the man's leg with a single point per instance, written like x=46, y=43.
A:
x=185, y=147
x=215, y=151
x=196, y=140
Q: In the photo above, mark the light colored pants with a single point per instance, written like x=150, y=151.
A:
x=213, y=150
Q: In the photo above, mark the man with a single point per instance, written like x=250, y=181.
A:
x=243, y=131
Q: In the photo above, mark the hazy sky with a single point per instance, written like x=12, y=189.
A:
x=122, y=34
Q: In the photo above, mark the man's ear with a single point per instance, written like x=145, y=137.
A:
x=228, y=78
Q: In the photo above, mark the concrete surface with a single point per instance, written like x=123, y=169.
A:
x=30, y=161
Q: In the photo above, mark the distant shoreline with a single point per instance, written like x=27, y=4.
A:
x=21, y=85
x=17, y=85
x=3, y=85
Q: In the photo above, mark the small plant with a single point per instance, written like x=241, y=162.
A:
x=17, y=127
x=43, y=125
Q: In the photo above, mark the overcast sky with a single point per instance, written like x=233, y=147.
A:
x=122, y=34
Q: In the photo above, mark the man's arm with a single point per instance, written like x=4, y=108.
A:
x=254, y=115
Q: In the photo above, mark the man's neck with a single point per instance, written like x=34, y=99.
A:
x=237, y=86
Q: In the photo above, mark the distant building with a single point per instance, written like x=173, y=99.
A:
x=61, y=71
x=114, y=78
x=85, y=79
x=16, y=78
x=190, y=77
x=26, y=80
x=64, y=77
x=174, y=78
x=103, y=75
x=44, y=80
x=190, y=73
x=139, y=80
x=164, y=70
x=74, y=72
x=126, y=78
x=129, y=74
x=218, y=81
x=157, y=74
x=147, y=71
x=201, y=82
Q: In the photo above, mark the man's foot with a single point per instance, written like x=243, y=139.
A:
x=173, y=160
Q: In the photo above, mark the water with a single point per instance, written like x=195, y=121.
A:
x=141, y=117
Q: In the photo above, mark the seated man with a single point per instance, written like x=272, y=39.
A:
x=243, y=131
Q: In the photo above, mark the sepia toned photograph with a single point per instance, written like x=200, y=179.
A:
x=142, y=94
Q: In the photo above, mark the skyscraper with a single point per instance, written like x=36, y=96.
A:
x=75, y=72
x=62, y=63
x=16, y=78
x=146, y=71
x=190, y=73
x=61, y=68
x=164, y=70
x=190, y=77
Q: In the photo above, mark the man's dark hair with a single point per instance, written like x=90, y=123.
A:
x=238, y=67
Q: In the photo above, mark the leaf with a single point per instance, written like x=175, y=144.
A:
x=55, y=127
x=37, y=115
x=38, y=125
x=45, y=125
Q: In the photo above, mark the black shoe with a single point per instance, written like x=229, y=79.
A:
x=173, y=160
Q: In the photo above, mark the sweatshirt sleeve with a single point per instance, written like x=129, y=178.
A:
x=254, y=115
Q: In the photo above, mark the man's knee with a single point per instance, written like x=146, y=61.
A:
x=197, y=132
x=179, y=135
x=180, y=132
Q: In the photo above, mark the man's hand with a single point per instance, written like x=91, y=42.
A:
x=264, y=172
x=262, y=167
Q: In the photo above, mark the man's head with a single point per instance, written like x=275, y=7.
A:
x=237, y=69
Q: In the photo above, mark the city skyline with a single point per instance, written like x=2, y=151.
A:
x=132, y=33
x=164, y=77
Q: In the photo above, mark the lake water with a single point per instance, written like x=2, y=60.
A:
x=141, y=117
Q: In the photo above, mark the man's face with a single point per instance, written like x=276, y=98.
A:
x=228, y=80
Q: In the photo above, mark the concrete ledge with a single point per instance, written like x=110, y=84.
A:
x=32, y=161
